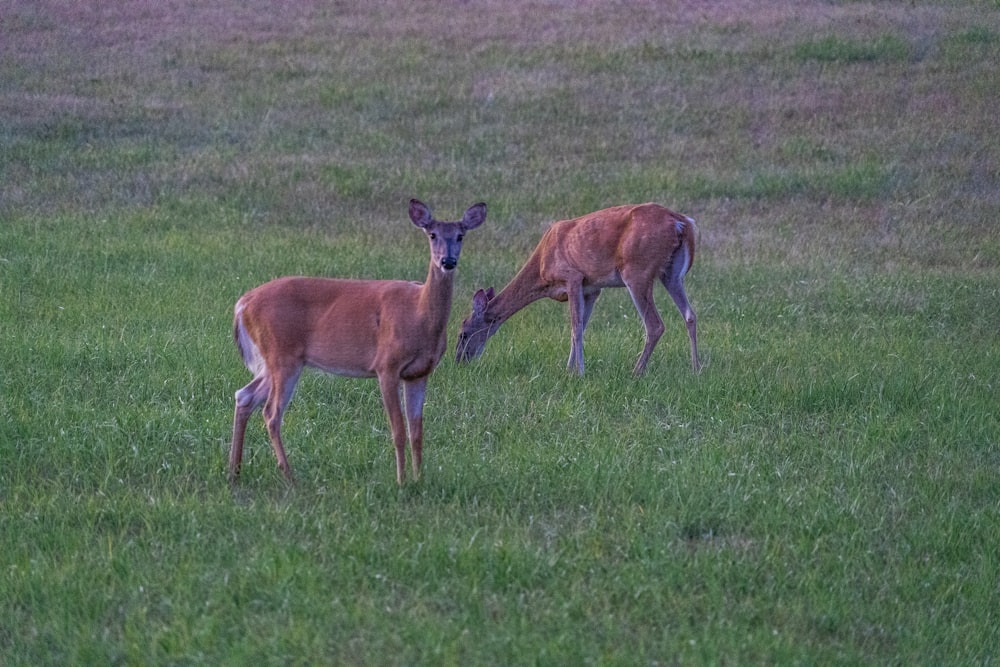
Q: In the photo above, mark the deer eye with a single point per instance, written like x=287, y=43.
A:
x=460, y=237
x=432, y=235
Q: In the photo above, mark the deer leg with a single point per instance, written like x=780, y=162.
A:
x=282, y=388
x=579, y=313
x=248, y=399
x=589, y=299
x=642, y=297
x=675, y=287
x=414, y=392
x=389, y=386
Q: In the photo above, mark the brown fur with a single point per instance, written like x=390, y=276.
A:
x=629, y=246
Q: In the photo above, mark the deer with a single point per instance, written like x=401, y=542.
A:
x=392, y=330
x=629, y=246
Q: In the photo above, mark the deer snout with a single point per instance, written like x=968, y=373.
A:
x=449, y=263
x=469, y=346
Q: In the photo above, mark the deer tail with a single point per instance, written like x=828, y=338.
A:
x=687, y=230
x=244, y=343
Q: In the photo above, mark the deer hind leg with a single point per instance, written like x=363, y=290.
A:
x=282, y=389
x=642, y=296
x=248, y=399
x=388, y=384
x=673, y=280
x=414, y=392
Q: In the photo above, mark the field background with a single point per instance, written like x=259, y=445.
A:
x=826, y=491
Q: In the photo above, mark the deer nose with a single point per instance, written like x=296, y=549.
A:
x=449, y=263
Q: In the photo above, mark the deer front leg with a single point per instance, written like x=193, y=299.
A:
x=589, y=299
x=414, y=392
x=389, y=386
x=578, y=315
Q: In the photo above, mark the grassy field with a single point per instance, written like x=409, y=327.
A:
x=825, y=491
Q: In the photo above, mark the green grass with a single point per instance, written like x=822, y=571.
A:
x=824, y=492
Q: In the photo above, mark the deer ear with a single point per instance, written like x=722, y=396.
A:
x=475, y=216
x=479, y=301
x=420, y=214
x=489, y=294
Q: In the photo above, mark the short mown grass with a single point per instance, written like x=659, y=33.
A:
x=823, y=492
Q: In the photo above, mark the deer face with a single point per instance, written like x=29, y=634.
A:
x=446, y=237
x=446, y=244
x=476, y=328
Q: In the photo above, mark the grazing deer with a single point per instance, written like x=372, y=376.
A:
x=623, y=246
x=393, y=330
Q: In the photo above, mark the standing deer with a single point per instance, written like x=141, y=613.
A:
x=393, y=330
x=623, y=246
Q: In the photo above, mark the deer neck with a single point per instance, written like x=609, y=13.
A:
x=435, y=297
x=524, y=288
